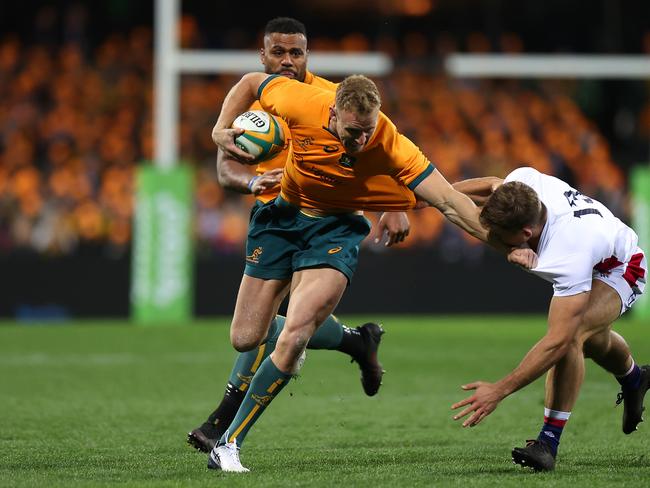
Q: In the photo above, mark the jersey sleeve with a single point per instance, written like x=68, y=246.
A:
x=408, y=164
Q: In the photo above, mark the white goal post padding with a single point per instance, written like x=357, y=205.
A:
x=547, y=66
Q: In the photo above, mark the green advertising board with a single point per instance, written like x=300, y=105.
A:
x=161, y=275
x=640, y=184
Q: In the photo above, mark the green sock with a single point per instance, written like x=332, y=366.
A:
x=266, y=384
x=247, y=362
x=328, y=335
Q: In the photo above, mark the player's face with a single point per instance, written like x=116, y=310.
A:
x=354, y=130
x=513, y=238
x=285, y=54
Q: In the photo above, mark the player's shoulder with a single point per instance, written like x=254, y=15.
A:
x=320, y=82
x=385, y=132
x=523, y=174
x=295, y=97
x=290, y=87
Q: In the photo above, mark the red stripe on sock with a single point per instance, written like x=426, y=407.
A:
x=554, y=422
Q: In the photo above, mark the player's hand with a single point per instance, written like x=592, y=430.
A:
x=225, y=140
x=266, y=181
x=395, y=224
x=524, y=257
x=481, y=404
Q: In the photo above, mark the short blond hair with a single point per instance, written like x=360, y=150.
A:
x=357, y=94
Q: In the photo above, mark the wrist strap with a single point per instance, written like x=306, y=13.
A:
x=252, y=182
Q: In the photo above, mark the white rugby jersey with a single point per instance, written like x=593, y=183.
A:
x=579, y=233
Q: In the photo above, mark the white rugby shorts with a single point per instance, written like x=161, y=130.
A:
x=628, y=279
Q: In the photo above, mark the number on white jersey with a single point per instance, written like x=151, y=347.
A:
x=576, y=199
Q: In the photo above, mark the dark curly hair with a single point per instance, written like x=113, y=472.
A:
x=285, y=25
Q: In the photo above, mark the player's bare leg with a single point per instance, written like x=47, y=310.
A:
x=314, y=295
x=360, y=343
x=609, y=350
x=604, y=346
x=257, y=304
x=563, y=383
x=564, y=380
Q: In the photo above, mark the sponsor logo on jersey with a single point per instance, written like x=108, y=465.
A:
x=330, y=149
x=305, y=142
x=334, y=250
x=347, y=161
x=255, y=255
x=324, y=176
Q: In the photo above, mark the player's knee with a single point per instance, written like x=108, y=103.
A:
x=570, y=346
x=596, y=345
x=244, y=342
x=293, y=340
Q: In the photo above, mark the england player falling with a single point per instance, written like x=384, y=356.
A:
x=597, y=271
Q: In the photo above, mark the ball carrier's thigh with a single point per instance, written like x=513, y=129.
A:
x=315, y=293
x=257, y=304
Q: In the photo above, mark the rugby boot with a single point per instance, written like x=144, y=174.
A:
x=366, y=357
x=537, y=455
x=203, y=438
x=226, y=458
x=632, y=399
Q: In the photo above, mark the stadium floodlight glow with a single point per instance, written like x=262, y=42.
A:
x=171, y=62
x=547, y=66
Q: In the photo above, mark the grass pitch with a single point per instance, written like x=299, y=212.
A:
x=109, y=404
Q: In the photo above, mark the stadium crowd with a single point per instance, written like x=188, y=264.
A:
x=75, y=123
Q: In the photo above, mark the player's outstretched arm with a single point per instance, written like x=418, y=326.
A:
x=564, y=319
x=478, y=189
x=238, y=100
x=458, y=208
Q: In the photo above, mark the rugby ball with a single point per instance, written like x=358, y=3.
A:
x=263, y=137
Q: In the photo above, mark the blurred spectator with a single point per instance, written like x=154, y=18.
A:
x=75, y=122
